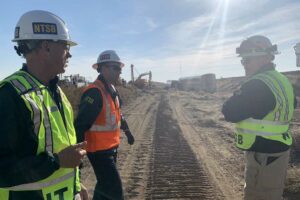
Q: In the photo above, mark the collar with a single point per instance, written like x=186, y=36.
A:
x=267, y=67
x=102, y=79
x=108, y=87
x=52, y=83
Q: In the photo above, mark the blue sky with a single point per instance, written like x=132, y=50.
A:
x=172, y=38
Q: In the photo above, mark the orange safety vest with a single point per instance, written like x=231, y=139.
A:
x=105, y=132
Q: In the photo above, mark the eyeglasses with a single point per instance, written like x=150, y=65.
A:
x=63, y=43
x=247, y=60
x=114, y=67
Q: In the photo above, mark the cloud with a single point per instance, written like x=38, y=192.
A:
x=197, y=44
x=280, y=24
x=195, y=63
x=188, y=32
x=186, y=38
x=151, y=24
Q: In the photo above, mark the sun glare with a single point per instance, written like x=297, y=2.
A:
x=218, y=19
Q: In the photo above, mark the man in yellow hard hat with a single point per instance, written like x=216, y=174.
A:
x=262, y=110
x=39, y=156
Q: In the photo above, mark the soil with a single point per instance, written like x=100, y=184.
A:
x=184, y=149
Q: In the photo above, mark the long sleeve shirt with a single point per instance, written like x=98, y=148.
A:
x=19, y=163
x=253, y=100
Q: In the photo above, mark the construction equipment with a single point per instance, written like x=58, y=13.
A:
x=141, y=82
x=206, y=82
x=73, y=80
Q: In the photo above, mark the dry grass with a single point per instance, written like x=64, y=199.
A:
x=73, y=94
x=127, y=94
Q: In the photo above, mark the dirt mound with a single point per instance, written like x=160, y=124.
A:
x=229, y=84
x=179, y=133
x=73, y=93
x=128, y=94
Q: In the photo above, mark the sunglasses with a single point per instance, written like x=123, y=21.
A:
x=114, y=67
x=247, y=60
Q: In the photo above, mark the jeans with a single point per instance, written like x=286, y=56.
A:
x=109, y=185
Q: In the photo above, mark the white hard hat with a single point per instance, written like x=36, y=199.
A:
x=41, y=25
x=108, y=56
x=256, y=45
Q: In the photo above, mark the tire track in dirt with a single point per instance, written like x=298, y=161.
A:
x=175, y=171
x=209, y=143
x=161, y=164
x=134, y=161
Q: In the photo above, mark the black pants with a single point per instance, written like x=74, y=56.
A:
x=109, y=185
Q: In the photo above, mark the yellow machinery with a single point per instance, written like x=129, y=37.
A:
x=140, y=82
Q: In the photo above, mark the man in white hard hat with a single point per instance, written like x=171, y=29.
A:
x=39, y=157
x=262, y=110
x=99, y=122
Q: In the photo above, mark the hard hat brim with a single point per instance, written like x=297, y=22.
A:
x=72, y=43
x=69, y=42
x=95, y=66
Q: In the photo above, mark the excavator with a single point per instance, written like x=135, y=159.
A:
x=141, y=82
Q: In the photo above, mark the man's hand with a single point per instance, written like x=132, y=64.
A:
x=84, y=193
x=130, y=138
x=71, y=156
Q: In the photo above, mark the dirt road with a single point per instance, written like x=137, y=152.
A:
x=184, y=149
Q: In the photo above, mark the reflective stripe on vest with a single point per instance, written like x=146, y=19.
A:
x=111, y=124
x=105, y=132
x=52, y=132
x=262, y=127
x=284, y=95
x=275, y=125
x=36, y=111
x=41, y=185
x=278, y=97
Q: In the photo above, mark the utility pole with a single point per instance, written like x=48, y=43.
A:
x=132, y=75
x=180, y=71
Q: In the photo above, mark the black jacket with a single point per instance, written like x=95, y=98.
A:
x=254, y=99
x=89, y=108
x=19, y=163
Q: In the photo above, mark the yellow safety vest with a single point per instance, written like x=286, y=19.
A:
x=53, y=136
x=275, y=125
